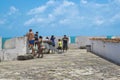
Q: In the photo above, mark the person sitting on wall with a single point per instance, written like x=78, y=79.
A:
x=30, y=36
x=47, y=44
x=47, y=40
x=65, y=43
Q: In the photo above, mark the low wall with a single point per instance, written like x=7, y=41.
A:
x=13, y=47
x=0, y=48
x=106, y=49
x=0, y=43
x=82, y=41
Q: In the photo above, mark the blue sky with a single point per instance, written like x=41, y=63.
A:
x=59, y=17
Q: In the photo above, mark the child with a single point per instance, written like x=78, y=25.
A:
x=59, y=44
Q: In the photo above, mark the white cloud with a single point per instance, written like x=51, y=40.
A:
x=60, y=10
x=64, y=21
x=13, y=10
x=68, y=3
x=116, y=17
x=117, y=1
x=51, y=2
x=84, y=1
x=72, y=14
x=29, y=22
x=41, y=9
x=37, y=10
x=65, y=7
x=99, y=22
x=34, y=21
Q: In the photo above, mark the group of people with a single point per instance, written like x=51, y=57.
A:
x=36, y=40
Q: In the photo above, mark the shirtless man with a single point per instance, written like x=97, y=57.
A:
x=31, y=40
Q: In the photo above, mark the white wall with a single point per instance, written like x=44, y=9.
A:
x=0, y=43
x=0, y=48
x=108, y=50
x=21, y=45
x=13, y=48
x=82, y=41
x=10, y=43
x=9, y=54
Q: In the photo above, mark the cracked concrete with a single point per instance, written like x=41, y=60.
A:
x=75, y=64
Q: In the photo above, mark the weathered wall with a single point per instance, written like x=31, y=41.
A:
x=82, y=41
x=10, y=43
x=0, y=43
x=21, y=45
x=14, y=47
x=0, y=49
x=108, y=50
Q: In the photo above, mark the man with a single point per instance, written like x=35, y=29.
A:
x=36, y=38
x=31, y=40
x=53, y=40
x=65, y=43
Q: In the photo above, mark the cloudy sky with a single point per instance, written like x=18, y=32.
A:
x=59, y=17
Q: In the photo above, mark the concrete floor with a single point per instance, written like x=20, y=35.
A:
x=75, y=64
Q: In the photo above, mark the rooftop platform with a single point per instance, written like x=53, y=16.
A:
x=76, y=64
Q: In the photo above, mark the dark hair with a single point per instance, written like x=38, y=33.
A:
x=52, y=36
x=30, y=30
x=40, y=37
x=64, y=35
x=36, y=32
x=47, y=37
x=59, y=39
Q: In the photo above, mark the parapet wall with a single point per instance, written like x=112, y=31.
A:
x=12, y=48
x=0, y=43
x=105, y=48
x=109, y=49
x=18, y=46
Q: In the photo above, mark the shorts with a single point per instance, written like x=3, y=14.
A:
x=31, y=42
x=60, y=48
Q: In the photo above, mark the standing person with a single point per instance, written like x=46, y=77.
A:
x=31, y=40
x=36, y=38
x=59, y=44
x=53, y=40
x=65, y=43
x=40, y=47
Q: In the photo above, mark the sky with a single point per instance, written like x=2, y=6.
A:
x=59, y=17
